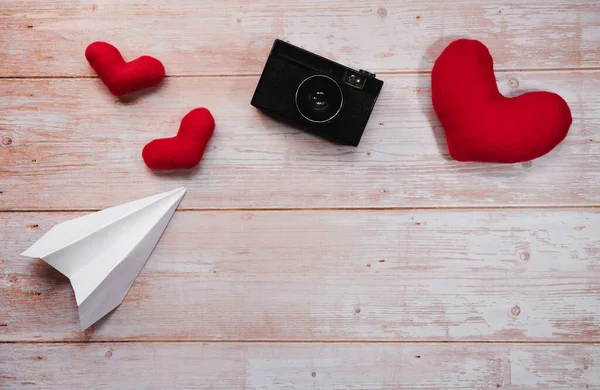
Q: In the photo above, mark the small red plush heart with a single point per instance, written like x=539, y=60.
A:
x=483, y=125
x=122, y=77
x=185, y=150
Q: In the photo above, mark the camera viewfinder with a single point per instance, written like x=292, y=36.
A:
x=355, y=80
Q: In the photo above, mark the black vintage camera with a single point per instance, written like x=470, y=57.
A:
x=316, y=94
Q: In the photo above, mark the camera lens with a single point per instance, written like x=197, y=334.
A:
x=319, y=98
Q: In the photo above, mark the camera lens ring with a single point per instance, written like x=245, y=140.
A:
x=341, y=98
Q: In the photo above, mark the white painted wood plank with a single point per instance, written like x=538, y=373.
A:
x=509, y=275
x=299, y=366
x=68, y=144
x=48, y=38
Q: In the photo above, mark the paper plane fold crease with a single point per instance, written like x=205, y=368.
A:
x=102, y=253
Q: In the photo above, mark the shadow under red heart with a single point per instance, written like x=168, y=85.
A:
x=186, y=149
x=483, y=125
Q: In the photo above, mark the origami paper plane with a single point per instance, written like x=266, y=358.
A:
x=102, y=253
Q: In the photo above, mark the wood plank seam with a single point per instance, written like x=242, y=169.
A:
x=300, y=341
x=391, y=73
x=341, y=208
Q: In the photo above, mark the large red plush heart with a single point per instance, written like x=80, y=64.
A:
x=122, y=77
x=186, y=149
x=483, y=125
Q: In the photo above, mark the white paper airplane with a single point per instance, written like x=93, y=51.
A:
x=103, y=253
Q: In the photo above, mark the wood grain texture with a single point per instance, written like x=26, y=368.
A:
x=374, y=292
x=68, y=144
x=299, y=366
x=330, y=275
x=48, y=38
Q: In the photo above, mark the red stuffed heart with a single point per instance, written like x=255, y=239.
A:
x=185, y=150
x=123, y=77
x=483, y=125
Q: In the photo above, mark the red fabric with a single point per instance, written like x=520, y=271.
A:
x=481, y=124
x=185, y=150
x=123, y=77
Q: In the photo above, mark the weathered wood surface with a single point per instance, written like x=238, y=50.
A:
x=299, y=366
x=515, y=265
x=68, y=144
x=330, y=275
x=48, y=38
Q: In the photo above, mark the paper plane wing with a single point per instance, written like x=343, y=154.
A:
x=102, y=253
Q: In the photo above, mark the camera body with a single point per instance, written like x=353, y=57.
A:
x=316, y=94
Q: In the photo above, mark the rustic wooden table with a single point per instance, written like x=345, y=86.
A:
x=294, y=262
